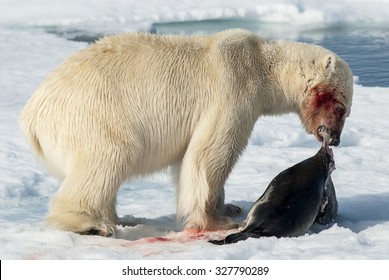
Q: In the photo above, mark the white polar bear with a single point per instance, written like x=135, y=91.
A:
x=132, y=104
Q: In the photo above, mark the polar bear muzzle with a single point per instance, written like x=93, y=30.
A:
x=327, y=136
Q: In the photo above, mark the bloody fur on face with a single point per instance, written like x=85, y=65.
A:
x=322, y=109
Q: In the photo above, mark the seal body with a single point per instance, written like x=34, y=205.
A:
x=294, y=199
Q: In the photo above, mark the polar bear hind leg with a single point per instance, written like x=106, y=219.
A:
x=85, y=202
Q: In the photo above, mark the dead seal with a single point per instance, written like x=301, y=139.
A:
x=293, y=201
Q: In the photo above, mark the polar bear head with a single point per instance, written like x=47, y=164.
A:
x=327, y=100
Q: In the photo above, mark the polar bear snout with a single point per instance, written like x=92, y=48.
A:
x=334, y=142
x=324, y=134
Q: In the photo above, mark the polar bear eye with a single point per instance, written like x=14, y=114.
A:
x=340, y=110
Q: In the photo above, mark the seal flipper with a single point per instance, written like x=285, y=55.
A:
x=235, y=237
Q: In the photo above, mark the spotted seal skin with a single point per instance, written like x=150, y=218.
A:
x=293, y=201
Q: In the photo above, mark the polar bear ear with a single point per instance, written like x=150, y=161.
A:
x=329, y=62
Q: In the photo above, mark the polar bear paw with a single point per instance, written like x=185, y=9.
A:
x=103, y=230
x=211, y=223
x=81, y=223
x=232, y=210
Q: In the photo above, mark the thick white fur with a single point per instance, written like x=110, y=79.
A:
x=132, y=104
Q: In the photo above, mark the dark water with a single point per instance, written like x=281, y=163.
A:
x=366, y=51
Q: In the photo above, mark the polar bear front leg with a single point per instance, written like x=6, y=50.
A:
x=212, y=152
x=85, y=202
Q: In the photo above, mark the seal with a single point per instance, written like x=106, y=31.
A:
x=293, y=201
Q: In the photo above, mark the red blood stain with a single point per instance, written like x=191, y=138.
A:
x=157, y=239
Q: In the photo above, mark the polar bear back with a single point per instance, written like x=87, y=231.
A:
x=142, y=91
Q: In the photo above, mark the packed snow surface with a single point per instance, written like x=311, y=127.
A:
x=29, y=50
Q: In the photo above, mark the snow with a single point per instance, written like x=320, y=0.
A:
x=28, y=53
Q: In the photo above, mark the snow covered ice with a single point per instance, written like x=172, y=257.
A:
x=35, y=38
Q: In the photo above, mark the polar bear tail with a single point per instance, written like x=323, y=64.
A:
x=26, y=122
x=34, y=143
x=30, y=134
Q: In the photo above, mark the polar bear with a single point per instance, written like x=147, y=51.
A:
x=132, y=104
